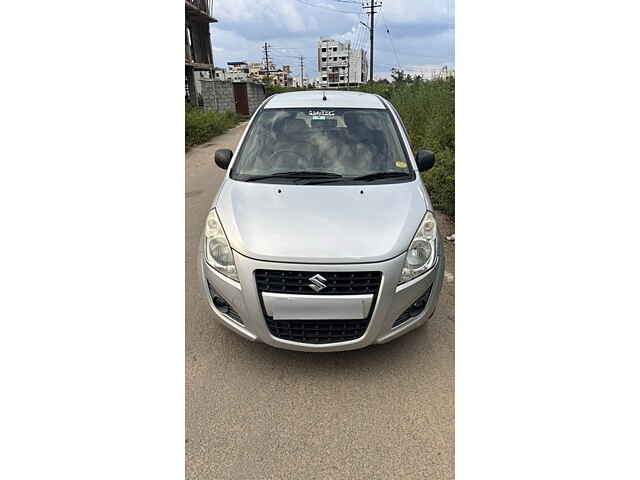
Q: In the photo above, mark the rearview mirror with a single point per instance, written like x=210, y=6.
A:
x=222, y=158
x=425, y=160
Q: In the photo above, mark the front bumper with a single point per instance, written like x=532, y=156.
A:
x=391, y=301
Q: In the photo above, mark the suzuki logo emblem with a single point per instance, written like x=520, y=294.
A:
x=317, y=282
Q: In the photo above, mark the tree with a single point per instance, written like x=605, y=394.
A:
x=397, y=75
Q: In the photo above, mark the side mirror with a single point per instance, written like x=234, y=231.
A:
x=425, y=160
x=222, y=158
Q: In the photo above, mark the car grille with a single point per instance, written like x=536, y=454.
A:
x=337, y=283
x=318, y=331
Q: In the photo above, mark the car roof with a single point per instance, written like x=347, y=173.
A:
x=334, y=99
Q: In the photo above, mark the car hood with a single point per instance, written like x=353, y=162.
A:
x=320, y=223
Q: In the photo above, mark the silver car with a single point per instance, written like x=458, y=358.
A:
x=322, y=235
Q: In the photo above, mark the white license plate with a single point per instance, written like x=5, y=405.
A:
x=281, y=306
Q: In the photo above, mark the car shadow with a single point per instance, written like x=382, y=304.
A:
x=405, y=352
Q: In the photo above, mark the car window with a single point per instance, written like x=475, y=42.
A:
x=347, y=142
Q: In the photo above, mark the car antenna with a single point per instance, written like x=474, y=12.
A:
x=324, y=97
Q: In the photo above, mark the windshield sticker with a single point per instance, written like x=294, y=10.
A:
x=401, y=164
x=321, y=113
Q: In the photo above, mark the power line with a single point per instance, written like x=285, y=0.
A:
x=282, y=56
x=363, y=33
x=285, y=56
x=358, y=37
x=359, y=34
x=353, y=29
x=390, y=39
x=326, y=7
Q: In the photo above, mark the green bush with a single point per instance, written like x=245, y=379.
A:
x=200, y=126
x=427, y=110
x=271, y=89
x=441, y=183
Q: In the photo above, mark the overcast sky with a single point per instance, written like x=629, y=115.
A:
x=422, y=32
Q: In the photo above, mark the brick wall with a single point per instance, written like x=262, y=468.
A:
x=255, y=93
x=217, y=96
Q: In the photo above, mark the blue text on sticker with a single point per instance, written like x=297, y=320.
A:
x=319, y=117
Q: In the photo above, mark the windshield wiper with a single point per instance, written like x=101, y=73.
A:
x=320, y=182
x=378, y=175
x=302, y=174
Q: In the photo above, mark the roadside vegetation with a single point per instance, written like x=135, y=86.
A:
x=271, y=89
x=200, y=126
x=427, y=110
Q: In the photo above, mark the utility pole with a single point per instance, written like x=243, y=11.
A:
x=371, y=6
x=266, y=59
x=301, y=71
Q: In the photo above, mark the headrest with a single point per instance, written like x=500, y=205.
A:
x=295, y=125
x=324, y=124
x=353, y=120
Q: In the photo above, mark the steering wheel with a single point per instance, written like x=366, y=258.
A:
x=280, y=153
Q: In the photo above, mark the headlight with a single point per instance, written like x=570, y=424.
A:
x=421, y=255
x=217, y=249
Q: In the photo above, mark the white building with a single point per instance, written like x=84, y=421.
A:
x=300, y=84
x=219, y=73
x=442, y=73
x=237, y=71
x=339, y=65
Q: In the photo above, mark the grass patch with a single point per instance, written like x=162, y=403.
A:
x=200, y=126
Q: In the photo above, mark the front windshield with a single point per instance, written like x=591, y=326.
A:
x=345, y=143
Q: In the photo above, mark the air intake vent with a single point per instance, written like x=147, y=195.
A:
x=222, y=305
x=317, y=331
x=415, y=309
x=337, y=283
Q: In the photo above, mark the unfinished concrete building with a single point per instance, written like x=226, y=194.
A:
x=198, y=56
x=339, y=65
